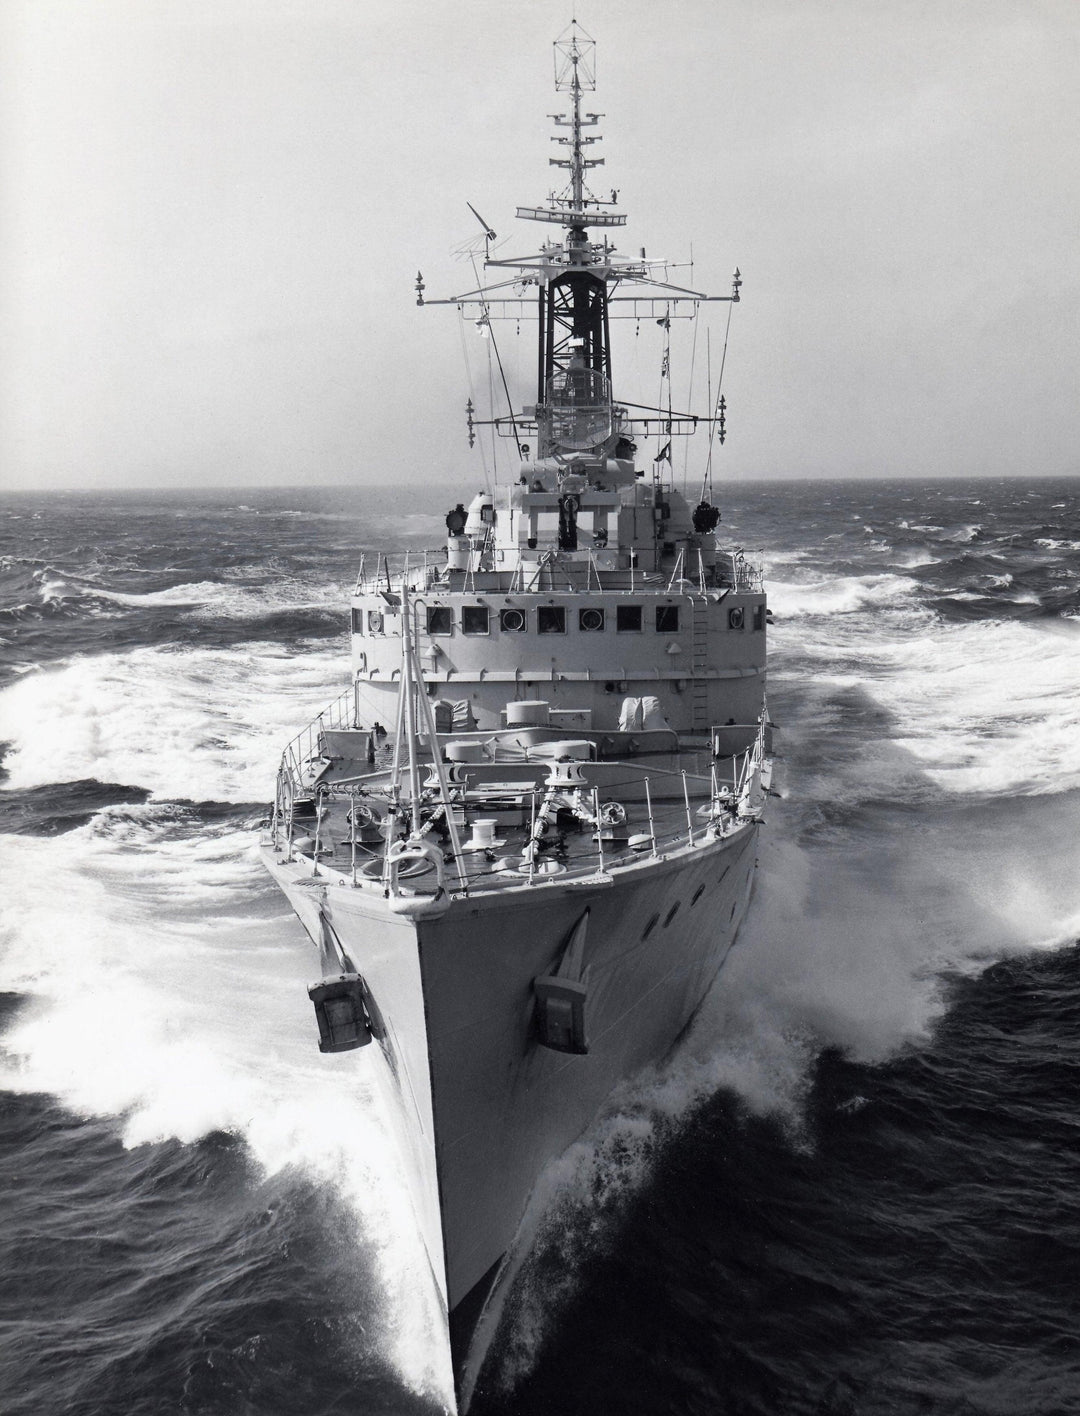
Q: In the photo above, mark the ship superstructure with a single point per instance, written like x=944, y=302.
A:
x=524, y=839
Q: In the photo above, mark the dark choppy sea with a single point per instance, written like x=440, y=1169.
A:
x=853, y=1191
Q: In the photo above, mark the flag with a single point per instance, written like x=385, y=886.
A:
x=664, y=455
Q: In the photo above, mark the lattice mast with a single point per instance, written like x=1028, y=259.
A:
x=574, y=333
x=578, y=282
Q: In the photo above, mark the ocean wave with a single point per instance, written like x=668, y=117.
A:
x=190, y=724
x=849, y=954
x=952, y=712
x=282, y=605
x=147, y=1012
x=843, y=595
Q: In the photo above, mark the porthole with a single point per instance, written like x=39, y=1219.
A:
x=650, y=926
x=697, y=894
x=672, y=913
x=512, y=621
x=591, y=620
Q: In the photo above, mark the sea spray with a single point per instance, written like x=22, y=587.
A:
x=161, y=988
x=195, y=724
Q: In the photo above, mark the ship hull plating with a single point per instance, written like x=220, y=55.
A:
x=484, y=1105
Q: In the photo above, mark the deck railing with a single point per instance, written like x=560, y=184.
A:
x=552, y=569
x=341, y=713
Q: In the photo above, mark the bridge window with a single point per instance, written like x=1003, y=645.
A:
x=551, y=619
x=440, y=619
x=590, y=621
x=627, y=618
x=513, y=621
x=667, y=619
x=759, y=616
x=474, y=619
x=357, y=621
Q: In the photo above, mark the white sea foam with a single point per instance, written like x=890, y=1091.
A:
x=155, y=974
x=223, y=599
x=839, y=596
x=846, y=952
x=202, y=724
x=985, y=707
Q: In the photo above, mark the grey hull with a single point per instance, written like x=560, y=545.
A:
x=504, y=1106
x=484, y=1107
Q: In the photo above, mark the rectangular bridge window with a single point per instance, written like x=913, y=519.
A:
x=357, y=621
x=667, y=619
x=627, y=618
x=551, y=619
x=440, y=619
x=474, y=619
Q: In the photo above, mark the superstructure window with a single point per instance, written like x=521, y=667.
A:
x=513, y=621
x=440, y=619
x=667, y=619
x=627, y=618
x=759, y=617
x=474, y=619
x=551, y=619
x=357, y=621
x=590, y=621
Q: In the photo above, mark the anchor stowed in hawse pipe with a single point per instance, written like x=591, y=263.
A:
x=343, y=1005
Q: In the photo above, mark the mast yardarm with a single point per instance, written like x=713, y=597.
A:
x=578, y=281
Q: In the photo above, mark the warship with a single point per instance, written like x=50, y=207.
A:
x=524, y=838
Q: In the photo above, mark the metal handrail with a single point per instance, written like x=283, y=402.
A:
x=577, y=573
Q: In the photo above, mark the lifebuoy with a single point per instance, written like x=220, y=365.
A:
x=572, y=504
x=735, y=617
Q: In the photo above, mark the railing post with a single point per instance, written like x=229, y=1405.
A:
x=689, y=818
x=652, y=824
x=352, y=833
x=532, y=835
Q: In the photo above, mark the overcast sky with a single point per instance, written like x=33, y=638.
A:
x=214, y=210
